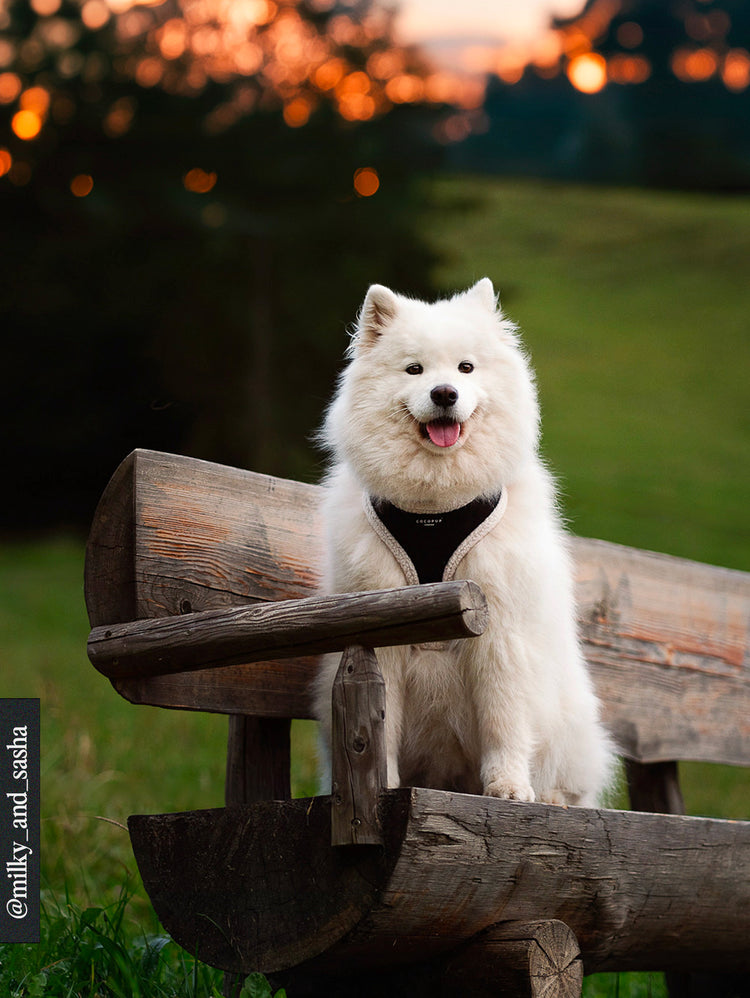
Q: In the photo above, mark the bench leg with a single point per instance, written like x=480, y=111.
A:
x=258, y=756
x=523, y=959
x=654, y=787
x=257, y=759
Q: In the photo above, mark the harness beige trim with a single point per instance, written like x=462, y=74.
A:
x=403, y=559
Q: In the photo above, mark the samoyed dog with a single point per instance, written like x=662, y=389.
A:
x=434, y=432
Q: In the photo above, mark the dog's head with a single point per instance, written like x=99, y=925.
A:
x=438, y=403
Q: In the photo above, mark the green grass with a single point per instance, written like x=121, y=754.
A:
x=87, y=953
x=634, y=309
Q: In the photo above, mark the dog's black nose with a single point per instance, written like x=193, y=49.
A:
x=444, y=396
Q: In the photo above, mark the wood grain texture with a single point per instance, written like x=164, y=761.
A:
x=639, y=891
x=288, y=629
x=667, y=640
x=358, y=749
x=256, y=689
x=668, y=644
x=201, y=535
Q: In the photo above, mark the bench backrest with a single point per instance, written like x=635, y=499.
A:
x=666, y=639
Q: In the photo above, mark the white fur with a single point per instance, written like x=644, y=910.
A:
x=511, y=713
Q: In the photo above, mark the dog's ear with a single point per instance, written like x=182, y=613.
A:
x=378, y=311
x=484, y=291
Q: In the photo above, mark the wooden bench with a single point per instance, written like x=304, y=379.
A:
x=201, y=585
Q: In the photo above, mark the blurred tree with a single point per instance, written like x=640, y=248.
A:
x=184, y=240
x=632, y=91
x=679, y=73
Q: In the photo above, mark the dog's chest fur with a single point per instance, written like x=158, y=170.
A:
x=439, y=744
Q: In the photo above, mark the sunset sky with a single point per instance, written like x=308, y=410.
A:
x=478, y=21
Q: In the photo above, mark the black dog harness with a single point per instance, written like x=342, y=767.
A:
x=429, y=546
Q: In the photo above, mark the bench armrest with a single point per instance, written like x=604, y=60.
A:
x=288, y=629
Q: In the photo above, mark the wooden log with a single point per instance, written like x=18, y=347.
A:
x=288, y=629
x=190, y=535
x=173, y=535
x=519, y=959
x=358, y=749
x=639, y=891
x=540, y=959
x=110, y=582
x=666, y=638
x=667, y=643
x=257, y=887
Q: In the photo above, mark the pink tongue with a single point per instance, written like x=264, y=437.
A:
x=443, y=434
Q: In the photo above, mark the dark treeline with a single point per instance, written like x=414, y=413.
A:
x=209, y=321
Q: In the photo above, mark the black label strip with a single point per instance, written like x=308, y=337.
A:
x=19, y=820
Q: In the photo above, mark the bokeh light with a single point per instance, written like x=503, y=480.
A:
x=35, y=99
x=406, y=88
x=630, y=35
x=26, y=124
x=266, y=51
x=45, y=8
x=82, y=185
x=694, y=65
x=588, y=72
x=366, y=181
x=627, y=69
x=329, y=74
x=20, y=173
x=297, y=112
x=95, y=14
x=736, y=70
x=10, y=87
x=199, y=181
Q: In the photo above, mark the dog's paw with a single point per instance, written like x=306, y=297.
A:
x=510, y=790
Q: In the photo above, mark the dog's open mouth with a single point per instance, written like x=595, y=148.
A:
x=442, y=432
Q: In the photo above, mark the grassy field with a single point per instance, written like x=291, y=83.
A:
x=634, y=307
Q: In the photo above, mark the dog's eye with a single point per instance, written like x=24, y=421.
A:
x=466, y=367
x=414, y=369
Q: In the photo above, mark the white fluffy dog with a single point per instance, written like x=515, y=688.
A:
x=434, y=430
